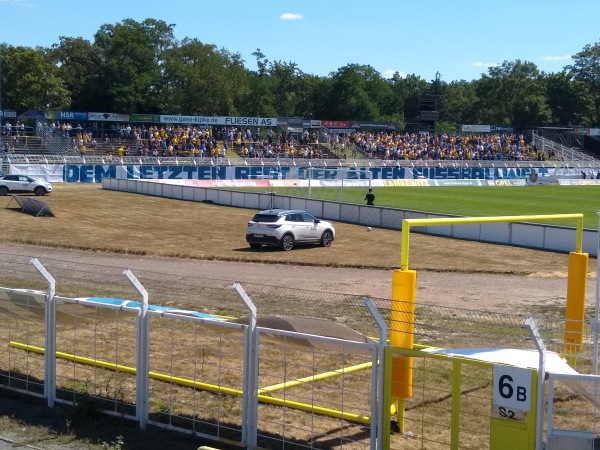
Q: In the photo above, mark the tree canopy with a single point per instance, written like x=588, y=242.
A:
x=139, y=67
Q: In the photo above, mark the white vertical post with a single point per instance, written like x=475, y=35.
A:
x=550, y=407
x=250, y=394
x=377, y=403
x=539, y=343
x=142, y=353
x=49, y=335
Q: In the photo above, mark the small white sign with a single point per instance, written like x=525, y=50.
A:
x=512, y=388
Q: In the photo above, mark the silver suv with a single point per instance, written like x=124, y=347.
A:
x=286, y=228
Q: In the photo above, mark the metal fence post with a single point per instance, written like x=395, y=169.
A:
x=378, y=402
x=250, y=394
x=49, y=335
x=142, y=353
x=541, y=347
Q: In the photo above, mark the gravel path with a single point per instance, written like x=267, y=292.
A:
x=491, y=292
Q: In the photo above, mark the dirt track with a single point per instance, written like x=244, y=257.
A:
x=491, y=292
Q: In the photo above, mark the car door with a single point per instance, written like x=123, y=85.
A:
x=12, y=182
x=24, y=183
x=295, y=222
x=313, y=227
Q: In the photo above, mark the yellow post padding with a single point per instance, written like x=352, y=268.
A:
x=575, y=311
x=402, y=328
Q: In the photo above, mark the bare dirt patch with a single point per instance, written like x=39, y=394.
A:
x=518, y=293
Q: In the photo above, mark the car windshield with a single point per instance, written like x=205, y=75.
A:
x=269, y=218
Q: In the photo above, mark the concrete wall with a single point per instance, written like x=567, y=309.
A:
x=530, y=235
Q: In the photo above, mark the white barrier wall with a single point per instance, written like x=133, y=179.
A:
x=530, y=235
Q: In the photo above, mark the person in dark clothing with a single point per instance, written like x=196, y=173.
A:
x=370, y=197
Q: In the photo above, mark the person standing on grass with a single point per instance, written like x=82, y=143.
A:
x=370, y=197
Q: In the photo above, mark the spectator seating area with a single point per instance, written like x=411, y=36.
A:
x=405, y=146
x=120, y=140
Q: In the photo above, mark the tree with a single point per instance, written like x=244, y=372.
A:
x=403, y=88
x=357, y=92
x=131, y=67
x=259, y=101
x=570, y=100
x=513, y=94
x=286, y=80
x=586, y=68
x=458, y=104
x=199, y=79
x=78, y=61
x=437, y=86
x=31, y=81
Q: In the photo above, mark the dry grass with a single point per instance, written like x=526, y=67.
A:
x=90, y=218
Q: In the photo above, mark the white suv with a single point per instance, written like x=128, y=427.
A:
x=23, y=183
x=285, y=228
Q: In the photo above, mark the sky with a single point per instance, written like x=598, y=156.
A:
x=458, y=39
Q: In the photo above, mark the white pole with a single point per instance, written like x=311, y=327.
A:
x=541, y=348
x=49, y=335
x=142, y=353
x=250, y=394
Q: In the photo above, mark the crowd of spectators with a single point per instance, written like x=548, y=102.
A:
x=252, y=142
x=177, y=140
x=413, y=146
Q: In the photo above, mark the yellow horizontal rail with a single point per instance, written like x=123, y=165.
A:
x=438, y=221
x=318, y=377
x=350, y=417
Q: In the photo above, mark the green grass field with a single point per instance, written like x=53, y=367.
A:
x=475, y=201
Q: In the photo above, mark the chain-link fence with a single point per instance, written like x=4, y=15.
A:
x=316, y=357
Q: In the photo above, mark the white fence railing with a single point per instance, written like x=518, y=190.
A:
x=255, y=380
x=218, y=379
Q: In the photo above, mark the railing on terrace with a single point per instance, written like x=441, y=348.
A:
x=16, y=158
x=25, y=141
x=561, y=152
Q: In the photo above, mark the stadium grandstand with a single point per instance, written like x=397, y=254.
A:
x=36, y=139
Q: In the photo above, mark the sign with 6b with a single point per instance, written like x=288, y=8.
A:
x=512, y=388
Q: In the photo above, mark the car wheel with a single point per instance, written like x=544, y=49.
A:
x=326, y=238
x=39, y=190
x=287, y=242
x=3, y=190
x=255, y=245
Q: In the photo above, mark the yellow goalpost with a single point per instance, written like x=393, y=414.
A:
x=404, y=284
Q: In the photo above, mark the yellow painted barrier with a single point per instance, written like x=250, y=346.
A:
x=318, y=377
x=350, y=417
x=402, y=332
x=402, y=329
x=575, y=311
